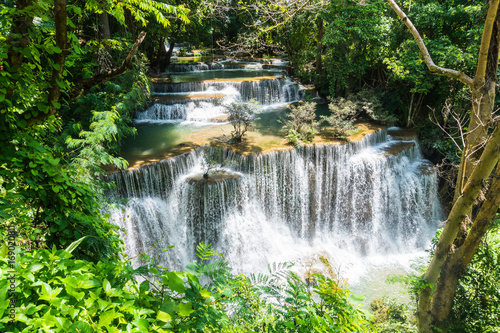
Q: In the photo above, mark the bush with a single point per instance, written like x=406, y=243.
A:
x=241, y=117
x=58, y=293
x=344, y=111
x=302, y=125
x=392, y=317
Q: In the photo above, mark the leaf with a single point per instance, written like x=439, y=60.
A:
x=205, y=293
x=34, y=268
x=81, y=327
x=88, y=284
x=144, y=287
x=75, y=244
x=42, y=107
x=175, y=282
x=163, y=316
x=185, y=309
x=106, y=318
x=55, y=49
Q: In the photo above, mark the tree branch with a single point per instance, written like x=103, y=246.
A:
x=482, y=222
x=462, y=206
x=433, y=68
x=485, y=40
x=85, y=85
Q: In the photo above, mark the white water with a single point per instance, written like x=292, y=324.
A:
x=182, y=104
x=354, y=204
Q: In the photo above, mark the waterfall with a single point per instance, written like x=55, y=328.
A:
x=202, y=110
x=374, y=196
x=188, y=100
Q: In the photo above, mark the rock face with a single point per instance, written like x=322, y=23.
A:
x=355, y=197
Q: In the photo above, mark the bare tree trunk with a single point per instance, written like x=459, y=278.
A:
x=105, y=29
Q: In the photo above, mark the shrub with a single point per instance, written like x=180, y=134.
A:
x=302, y=124
x=344, y=111
x=241, y=117
x=58, y=293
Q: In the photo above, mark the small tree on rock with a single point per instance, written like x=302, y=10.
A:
x=213, y=160
x=343, y=113
x=302, y=125
x=241, y=117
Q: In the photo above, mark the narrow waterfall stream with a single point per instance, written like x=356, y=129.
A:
x=364, y=206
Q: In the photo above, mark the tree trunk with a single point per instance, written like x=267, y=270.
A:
x=86, y=84
x=481, y=153
x=18, y=40
x=457, y=262
x=105, y=29
x=483, y=102
x=319, y=46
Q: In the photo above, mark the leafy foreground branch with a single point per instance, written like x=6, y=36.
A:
x=58, y=293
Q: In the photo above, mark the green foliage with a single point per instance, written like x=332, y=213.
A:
x=302, y=124
x=49, y=193
x=213, y=160
x=92, y=145
x=294, y=137
x=345, y=111
x=59, y=293
x=41, y=198
x=241, y=117
x=392, y=317
x=476, y=307
x=356, y=40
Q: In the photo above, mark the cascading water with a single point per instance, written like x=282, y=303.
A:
x=205, y=99
x=365, y=206
x=348, y=201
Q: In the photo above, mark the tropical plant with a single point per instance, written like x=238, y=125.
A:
x=59, y=293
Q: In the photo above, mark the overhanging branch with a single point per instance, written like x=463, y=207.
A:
x=85, y=85
x=433, y=68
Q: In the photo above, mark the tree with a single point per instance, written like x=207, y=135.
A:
x=343, y=112
x=47, y=60
x=464, y=229
x=241, y=117
x=302, y=125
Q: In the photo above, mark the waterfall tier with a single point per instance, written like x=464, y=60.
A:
x=191, y=101
x=366, y=197
x=266, y=92
x=176, y=67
